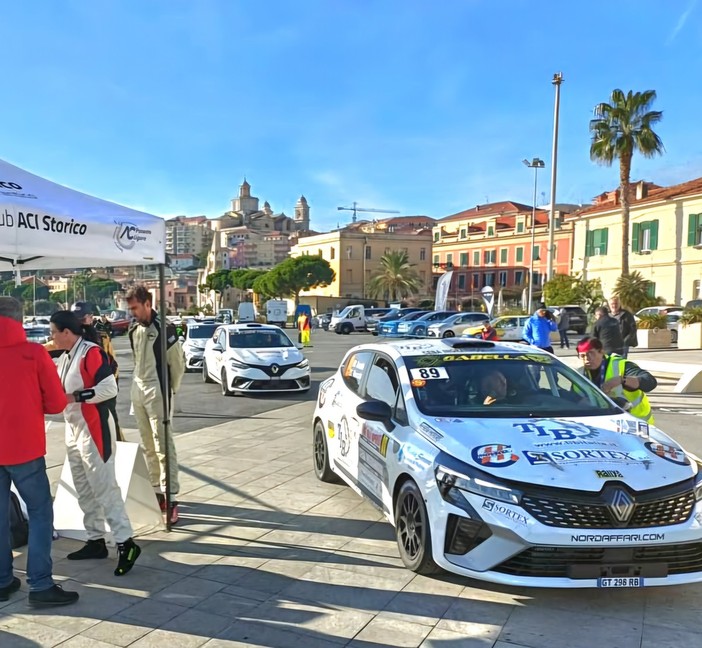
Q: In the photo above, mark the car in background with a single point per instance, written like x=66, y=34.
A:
x=388, y=328
x=418, y=327
x=508, y=466
x=38, y=333
x=509, y=328
x=120, y=320
x=694, y=303
x=577, y=317
x=196, y=336
x=456, y=324
x=254, y=358
x=393, y=314
x=673, y=320
x=657, y=310
x=322, y=321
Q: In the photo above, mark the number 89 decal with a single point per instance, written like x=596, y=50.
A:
x=429, y=373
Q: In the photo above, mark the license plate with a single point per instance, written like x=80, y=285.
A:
x=628, y=581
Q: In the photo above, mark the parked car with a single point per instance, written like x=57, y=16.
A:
x=37, y=333
x=577, y=317
x=418, y=327
x=388, y=328
x=392, y=315
x=694, y=303
x=456, y=324
x=120, y=320
x=509, y=328
x=673, y=319
x=533, y=477
x=254, y=358
x=322, y=321
x=196, y=336
x=657, y=310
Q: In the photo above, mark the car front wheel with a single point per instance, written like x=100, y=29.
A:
x=320, y=455
x=225, y=385
x=205, y=375
x=412, y=530
x=449, y=334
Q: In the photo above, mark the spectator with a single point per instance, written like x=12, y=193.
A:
x=104, y=325
x=34, y=390
x=488, y=332
x=606, y=329
x=91, y=426
x=563, y=325
x=617, y=377
x=304, y=326
x=84, y=312
x=147, y=393
x=627, y=325
x=537, y=330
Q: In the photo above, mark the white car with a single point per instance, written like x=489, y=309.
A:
x=456, y=324
x=254, y=358
x=500, y=463
x=196, y=336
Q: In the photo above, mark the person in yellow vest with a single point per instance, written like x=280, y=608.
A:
x=305, y=327
x=617, y=377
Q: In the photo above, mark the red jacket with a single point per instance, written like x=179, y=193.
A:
x=30, y=389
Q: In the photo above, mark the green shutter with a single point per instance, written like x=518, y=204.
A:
x=503, y=255
x=588, y=243
x=692, y=224
x=654, y=234
x=636, y=237
x=520, y=255
x=605, y=237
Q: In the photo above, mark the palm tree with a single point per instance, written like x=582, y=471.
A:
x=395, y=279
x=620, y=128
x=632, y=290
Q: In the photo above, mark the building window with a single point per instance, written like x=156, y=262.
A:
x=476, y=280
x=489, y=279
x=519, y=277
x=461, y=282
x=368, y=251
x=644, y=236
x=437, y=236
x=463, y=233
x=537, y=253
x=319, y=253
x=463, y=260
x=694, y=229
x=436, y=260
x=520, y=255
x=422, y=254
x=596, y=242
x=449, y=260
x=349, y=252
x=502, y=277
x=332, y=253
x=489, y=256
x=503, y=255
x=349, y=275
x=651, y=289
x=491, y=230
x=476, y=258
x=520, y=227
x=535, y=278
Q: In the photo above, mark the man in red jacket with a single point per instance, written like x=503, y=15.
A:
x=32, y=388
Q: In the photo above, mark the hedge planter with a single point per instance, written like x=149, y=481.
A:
x=656, y=338
x=690, y=336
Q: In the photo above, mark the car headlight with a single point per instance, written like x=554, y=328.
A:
x=235, y=364
x=305, y=364
x=474, y=482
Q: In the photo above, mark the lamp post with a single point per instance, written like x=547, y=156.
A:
x=535, y=164
x=557, y=80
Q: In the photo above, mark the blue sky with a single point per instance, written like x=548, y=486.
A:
x=426, y=107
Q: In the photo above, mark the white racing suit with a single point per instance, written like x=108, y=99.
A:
x=147, y=398
x=91, y=431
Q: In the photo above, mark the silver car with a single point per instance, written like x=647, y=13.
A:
x=456, y=324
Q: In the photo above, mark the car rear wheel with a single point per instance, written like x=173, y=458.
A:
x=448, y=334
x=205, y=376
x=673, y=336
x=320, y=455
x=412, y=530
x=225, y=385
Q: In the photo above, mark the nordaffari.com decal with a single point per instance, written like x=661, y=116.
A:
x=494, y=455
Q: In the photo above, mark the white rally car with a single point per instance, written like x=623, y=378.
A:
x=254, y=358
x=500, y=463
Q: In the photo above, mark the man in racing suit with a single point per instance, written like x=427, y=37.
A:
x=91, y=425
x=147, y=392
x=617, y=376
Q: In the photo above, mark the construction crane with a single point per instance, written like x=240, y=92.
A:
x=356, y=208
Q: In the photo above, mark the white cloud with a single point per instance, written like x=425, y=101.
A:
x=681, y=21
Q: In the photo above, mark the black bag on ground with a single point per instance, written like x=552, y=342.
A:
x=19, y=527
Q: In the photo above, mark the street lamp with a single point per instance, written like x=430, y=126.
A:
x=557, y=80
x=535, y=164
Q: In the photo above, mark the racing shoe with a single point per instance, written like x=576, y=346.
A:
x=173, y=517
x=93, y=549
x=161, y=501
x=127, y=554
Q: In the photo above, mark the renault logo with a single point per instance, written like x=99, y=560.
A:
x=620, y=505
x=275, y=368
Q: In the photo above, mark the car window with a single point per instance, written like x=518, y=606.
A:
x=383, y=384
x=200, y=331
x=509, y=322
x=352, y=370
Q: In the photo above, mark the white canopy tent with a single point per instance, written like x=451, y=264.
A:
x=45, y=225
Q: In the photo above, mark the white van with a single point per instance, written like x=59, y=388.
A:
x=246, y=313
x=277, y=312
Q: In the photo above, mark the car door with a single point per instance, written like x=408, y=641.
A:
x=508, y=329
x=219, y=352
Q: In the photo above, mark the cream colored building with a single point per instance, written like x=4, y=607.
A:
x=665, y=239
x=354, y=253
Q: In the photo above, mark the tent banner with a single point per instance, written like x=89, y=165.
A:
x=39, y=218
x=442, y=290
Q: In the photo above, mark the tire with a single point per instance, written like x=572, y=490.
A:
x=420, y=330
x=448, y=334
x=320, y=455
x=412, y=530
x=205, y=376
x=225, y=387
x=673, y=336
x=346, y=329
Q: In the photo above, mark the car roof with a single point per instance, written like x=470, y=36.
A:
x=235, y=328
x=428, y=347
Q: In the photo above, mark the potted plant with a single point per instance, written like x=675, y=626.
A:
x=690, y=329
x=653, y=332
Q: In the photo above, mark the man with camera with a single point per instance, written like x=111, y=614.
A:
x=537, y=330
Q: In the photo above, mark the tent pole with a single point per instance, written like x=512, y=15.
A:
x=166, y=387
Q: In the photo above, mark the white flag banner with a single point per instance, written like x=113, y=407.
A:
x=489, y=298
x=442, y=290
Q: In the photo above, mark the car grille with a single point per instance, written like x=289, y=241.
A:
x=576, y=510
x=270, y=385
x=267, y=369
x=591, y=562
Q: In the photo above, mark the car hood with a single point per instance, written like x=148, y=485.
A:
x=195, y=343
x=577, y=453
x=283, y=356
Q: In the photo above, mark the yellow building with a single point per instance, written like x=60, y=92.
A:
x=354, y=252
x=665, y=239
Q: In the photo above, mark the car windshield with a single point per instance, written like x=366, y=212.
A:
x=201, y=331
x=253, y=339
x=37, y=331
x=501, y=385
x=413, y=316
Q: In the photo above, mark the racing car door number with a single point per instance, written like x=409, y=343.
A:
x=629, y=581
x=429, y=373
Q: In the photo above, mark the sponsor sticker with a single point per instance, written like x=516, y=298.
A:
x=429, y=373
x=668, y=452
x=495, y=455
x=505, y=511
x=330, y=429
x=344, y=437
x=574, y=456
x=429, y=432
x=374, y=438
x=323, y=389
x=642, y=428
x=609, y=474
x=617, y=537
x=439, y=360
x=556, y=429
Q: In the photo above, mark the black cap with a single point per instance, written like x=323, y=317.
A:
x=82, y=309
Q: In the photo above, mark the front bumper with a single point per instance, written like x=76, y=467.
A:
x=254, y=379
x=503, y=543
x=194, y=359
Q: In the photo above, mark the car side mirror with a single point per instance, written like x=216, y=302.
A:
x=376, y=410
x=622, y=402
x=299, y=345
x=218, y=347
